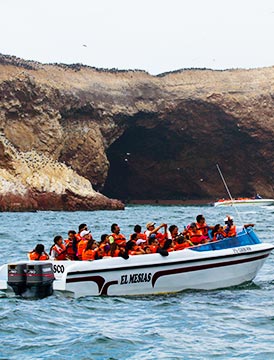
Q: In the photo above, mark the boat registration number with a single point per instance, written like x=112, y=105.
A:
x=242, y=250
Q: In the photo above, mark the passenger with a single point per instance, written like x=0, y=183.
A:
x=168, y=245
x=231, y=229
x=85, y=237
x=218, y=233
x=114, y=250
x=131, y=246
x=153, y=244
x=71, y=245
x=196, y=236
x=147, y=249
x=38, y=253
x=81, y=228
x=116, y=236
x=58, y=251
x=89, y=253
x=104, y=244
x=181, y=242
x=138, y=230
x=173, y=232
x=151, y=229
x=202, y=225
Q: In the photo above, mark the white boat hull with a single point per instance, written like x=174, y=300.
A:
x=260, y=202
x=155, y=274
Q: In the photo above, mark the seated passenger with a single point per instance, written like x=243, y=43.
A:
x=38, y=253
x=133, y=249
x=58, y=251
x=151, y=229
x=71, y=245
x=172, y=232
x=181, y=242
x=218, y=233
x=202, y=225
x=168, y=245
x=104, y=244
x=231, y=229
x=89, y=253
x=153, y=243
x=85, y=237
x=116, y=236
x=138, y=230
x=195, y=236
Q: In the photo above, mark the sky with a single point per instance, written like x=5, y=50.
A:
x=153, y=35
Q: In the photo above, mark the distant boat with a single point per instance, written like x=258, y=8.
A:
x=244, y=201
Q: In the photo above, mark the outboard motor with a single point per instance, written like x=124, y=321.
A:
x=39, y=279
x=17, y=278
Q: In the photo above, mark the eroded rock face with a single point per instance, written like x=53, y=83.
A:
x=67, y=130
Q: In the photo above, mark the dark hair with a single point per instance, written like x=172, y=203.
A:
x=180, y=239
x=137, y=228
x=81, y=227
x=172, y=227
x=113, y=246
x=133, y=236
x=113, y=227
x=72, y=232
x=129, y=245
x=103, y=237
x=39, y=248
x=199, y=217
x=89, y=244
x=151, y=239
x=57, y=238
x=215, y=229
x=167, y=244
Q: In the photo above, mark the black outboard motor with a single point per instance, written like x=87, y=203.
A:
x=39, y=279
x=17, y=278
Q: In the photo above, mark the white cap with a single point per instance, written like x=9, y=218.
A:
x=228, y=218
x=140, y=241
x=84, y=232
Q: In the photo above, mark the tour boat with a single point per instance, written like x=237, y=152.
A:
x=221, y=264
x=244, y=201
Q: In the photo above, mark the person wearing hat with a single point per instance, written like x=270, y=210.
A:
x=151, y=229
x=231, y=229
x=82, y=244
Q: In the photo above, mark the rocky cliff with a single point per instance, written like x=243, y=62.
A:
x=68, y=132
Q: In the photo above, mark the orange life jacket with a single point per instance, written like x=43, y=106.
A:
x=70, y=252
x=88, y=254
x=60, y=251
x=195, y=237
x=119, y=239
x=115, y=254
x=81, y=247
x=33, y=255
x=153, y=248
x=222, y=235
x=232, y=231
x=142, y=236
x=182, y=246
x=203, y=228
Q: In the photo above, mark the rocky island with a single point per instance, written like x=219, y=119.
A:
x=73, y=137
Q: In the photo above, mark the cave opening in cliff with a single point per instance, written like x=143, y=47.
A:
x=142, y=162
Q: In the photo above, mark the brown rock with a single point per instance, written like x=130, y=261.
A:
x=131, y=135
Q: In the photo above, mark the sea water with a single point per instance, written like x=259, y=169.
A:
x=235, y=323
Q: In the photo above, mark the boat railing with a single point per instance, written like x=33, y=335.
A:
x=243, y=238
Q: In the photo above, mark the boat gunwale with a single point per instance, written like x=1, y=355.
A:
x=161, y=264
